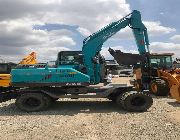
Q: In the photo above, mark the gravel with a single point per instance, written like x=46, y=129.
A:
x=94, y=119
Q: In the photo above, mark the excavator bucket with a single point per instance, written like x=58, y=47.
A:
x=126, y=58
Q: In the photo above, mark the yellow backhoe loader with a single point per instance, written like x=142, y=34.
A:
x=5, y=69
x=165, y=79
x=156, y=75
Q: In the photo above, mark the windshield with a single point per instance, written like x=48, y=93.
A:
x=162, y=61
x=169, y=61
x=3, y=68
x=70, y=58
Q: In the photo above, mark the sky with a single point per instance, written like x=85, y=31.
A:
x=50, y=26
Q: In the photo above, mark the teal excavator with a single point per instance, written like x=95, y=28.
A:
x=76, y=74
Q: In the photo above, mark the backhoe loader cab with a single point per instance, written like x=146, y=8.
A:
x=163, y=61
x=5, y=68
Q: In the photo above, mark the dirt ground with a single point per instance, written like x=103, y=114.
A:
x=92, y=119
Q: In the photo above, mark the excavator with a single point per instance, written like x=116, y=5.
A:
x=5, y=69
x=78, y=74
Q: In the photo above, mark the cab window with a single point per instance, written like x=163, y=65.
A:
x=70, y=58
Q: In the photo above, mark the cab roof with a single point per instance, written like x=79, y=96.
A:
x=162, y=54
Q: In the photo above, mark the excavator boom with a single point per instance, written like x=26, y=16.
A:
x=92, y=45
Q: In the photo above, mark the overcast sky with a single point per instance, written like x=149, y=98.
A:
x=50, y=26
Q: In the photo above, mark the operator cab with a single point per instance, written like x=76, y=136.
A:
x=5, y=68
x=163, y=61
x=72, y=59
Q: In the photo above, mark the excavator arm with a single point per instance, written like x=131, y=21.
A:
x=92, y=45
x=29, y=59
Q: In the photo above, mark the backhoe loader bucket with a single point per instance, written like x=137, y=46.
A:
x=173, y=79
x=126, y=58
